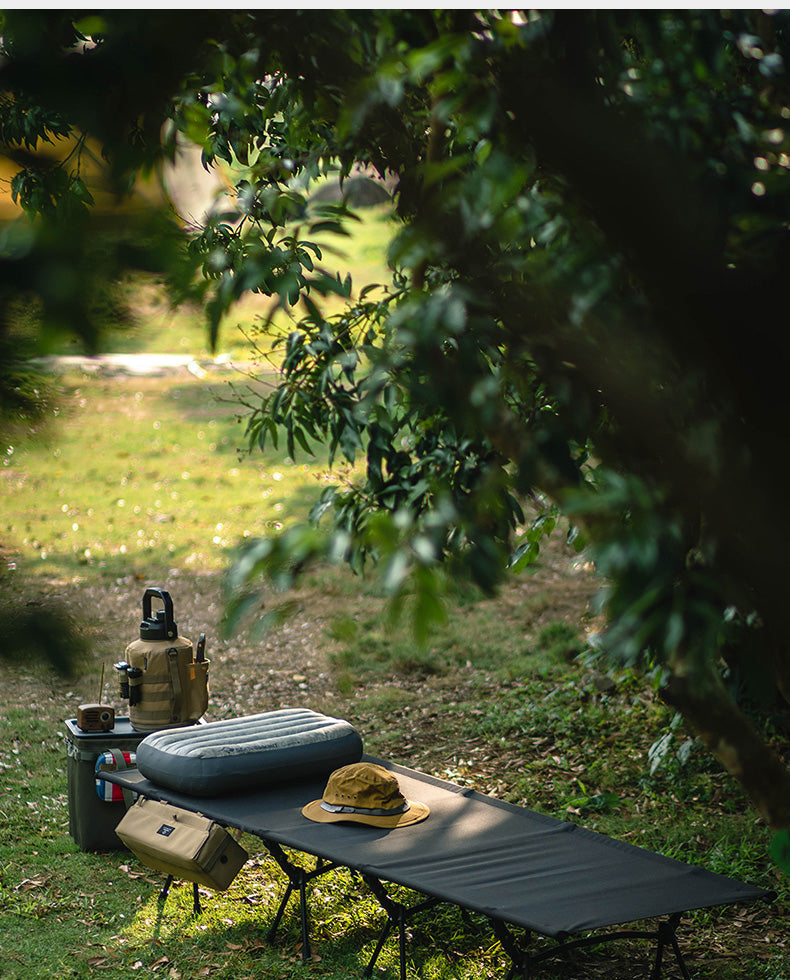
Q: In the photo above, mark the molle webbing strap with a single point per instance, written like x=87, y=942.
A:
x=120, y=763
x=155, y=708
x=175, y=678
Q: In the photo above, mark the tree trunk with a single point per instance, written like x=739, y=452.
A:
x=735, y=743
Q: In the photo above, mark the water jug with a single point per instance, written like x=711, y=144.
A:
x=165, y=682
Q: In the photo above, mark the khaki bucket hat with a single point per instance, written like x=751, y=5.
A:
x=365, y=793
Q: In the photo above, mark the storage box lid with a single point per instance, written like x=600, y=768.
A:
x=88, y=745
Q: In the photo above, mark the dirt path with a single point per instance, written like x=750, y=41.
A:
x=138, y=365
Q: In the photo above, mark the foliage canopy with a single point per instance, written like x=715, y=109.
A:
x=586, y=311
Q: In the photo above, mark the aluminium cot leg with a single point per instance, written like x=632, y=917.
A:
x=368, y=971
x=195, y=894
x=279, y=914
x=303, y=916
x=523, y=962
x=667, y=937
x=166, y=887
x=520, y=959
x=297, y=878
x=397, y=914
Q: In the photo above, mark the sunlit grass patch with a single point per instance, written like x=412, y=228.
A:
x=146, y=474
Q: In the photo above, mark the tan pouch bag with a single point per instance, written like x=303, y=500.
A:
x=181, y=843
x=173, y=688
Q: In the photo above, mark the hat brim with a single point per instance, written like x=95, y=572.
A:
x=415, y=813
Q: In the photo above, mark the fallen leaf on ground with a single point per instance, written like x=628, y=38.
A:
x=28, y=884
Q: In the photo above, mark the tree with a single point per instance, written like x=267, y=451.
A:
x=586, y=311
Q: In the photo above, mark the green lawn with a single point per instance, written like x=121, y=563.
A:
x=142, y=472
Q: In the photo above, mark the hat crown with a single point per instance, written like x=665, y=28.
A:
x=364, y=785
x=365, y=793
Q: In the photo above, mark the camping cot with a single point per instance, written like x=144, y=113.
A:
x=525, y=872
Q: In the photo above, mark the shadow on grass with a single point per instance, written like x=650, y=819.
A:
x=345, y=925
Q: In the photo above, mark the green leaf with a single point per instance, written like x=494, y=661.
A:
x=659, y=750
x=429, y=612
x=396, y=571
x=350, y=442
x=780, y=850
x=274, y=619
x=526, y=554
x=425, y=549
x=239, y=610
x=334, y=227
x=81, y=191
x=90, y=25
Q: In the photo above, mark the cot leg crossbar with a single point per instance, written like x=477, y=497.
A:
x=297, y=880
x=523, y=961
x=397, y=915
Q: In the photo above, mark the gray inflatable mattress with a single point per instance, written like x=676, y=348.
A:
x=248, y=753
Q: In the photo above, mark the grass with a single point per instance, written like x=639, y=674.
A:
x=144, y=473
x=102, y=916
x=141, y=480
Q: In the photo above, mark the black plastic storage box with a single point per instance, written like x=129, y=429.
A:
x=92, y=820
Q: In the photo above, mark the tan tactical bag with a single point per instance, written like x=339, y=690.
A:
x=181, y=843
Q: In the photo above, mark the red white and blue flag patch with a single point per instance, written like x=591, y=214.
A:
x=112, y=761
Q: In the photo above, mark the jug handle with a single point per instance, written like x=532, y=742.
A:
x=167, y=602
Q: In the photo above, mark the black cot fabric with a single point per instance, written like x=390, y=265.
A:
x=473, y=851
